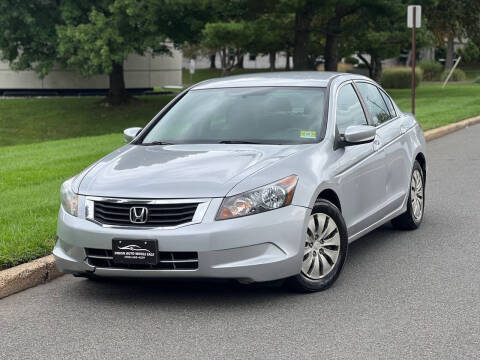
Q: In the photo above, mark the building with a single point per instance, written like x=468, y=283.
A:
x=141, y=73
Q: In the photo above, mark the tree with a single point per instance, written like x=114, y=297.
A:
x=286, y=25
x=443, y=20
x=272, y=34
x=322, y=23
x=381, y=34
x=471, y=21
x=100, y=41
x=29, y=40
x=304, y=13
x=337, y=13
x=184, y=21
x=470, y=53
x=453, y=19
x=90, y=36
x=230, y=39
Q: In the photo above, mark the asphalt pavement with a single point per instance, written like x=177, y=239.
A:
x=402, y=295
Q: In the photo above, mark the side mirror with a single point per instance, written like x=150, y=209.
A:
x=131, y=133
x=359, y=134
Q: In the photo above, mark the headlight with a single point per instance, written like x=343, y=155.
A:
x=265, y=198
x=69, y=198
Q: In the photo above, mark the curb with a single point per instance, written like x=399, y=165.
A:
x=447, y=129
x=28, y=275
x=40, y=271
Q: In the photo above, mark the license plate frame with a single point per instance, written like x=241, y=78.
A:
x=135, y=251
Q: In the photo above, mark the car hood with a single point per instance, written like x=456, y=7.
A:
x=178, y=171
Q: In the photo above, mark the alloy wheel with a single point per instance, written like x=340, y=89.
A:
x=322, y=246
x=416, y=195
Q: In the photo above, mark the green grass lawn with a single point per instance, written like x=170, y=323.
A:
x=31, y=120
x=436, y=107
x=31, y=174
x=30, y=179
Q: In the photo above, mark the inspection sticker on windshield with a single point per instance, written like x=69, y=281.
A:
x=308, y=134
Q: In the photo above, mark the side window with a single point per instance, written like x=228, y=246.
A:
x=349, y=109
x=374, y=101
x=389, y=103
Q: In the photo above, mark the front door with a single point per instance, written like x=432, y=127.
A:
x=360, y=169
x=389, y=128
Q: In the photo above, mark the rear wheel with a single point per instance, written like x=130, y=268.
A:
x=412, y=218
x=325, y=249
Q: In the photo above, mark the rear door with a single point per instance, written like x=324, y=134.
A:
x=389, y=128
x=361, y=169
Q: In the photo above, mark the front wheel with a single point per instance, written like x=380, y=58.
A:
x=412, y=218
x=325, y=249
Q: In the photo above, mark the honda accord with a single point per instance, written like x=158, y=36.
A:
x=255, y=178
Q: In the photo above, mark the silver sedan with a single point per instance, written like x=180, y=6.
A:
x=256, y=178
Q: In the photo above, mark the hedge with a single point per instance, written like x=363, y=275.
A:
x=432, y=70
x=458, y=75
x=400, y=77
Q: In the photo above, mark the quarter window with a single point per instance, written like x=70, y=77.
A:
x=349, y=109
x=389, y=103
x=375, y=103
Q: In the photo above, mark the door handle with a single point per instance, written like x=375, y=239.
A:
x=403, y=129
x=376, y=144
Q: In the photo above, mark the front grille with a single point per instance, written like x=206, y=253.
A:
x=159, y=215
x=178, y=260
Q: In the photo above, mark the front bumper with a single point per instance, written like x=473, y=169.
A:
x=261, y=247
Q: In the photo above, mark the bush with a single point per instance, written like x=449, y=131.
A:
x=342, y=67
x=351, y=60
x=400, y=77
x=432, y=70
x=458, y=75
x=470, y=53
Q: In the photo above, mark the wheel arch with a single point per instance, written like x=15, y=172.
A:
x=423, y=163
x=330, y=195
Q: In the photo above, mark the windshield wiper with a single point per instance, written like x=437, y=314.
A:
x=157, y=143
x=237, y=142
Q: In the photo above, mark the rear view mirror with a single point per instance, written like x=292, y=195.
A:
x=359, y=134
x=131, y=133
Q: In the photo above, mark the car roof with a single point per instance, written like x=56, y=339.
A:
x=283, y=78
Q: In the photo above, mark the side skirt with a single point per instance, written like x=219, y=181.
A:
x=380, y=222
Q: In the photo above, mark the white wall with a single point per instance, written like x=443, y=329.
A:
x=140, y=72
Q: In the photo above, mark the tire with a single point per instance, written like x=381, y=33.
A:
x=326, y=245
x=412, y=218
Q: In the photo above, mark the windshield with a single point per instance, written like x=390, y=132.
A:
x=263, y=115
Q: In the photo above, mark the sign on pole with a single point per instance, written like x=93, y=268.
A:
x=414, y=21
x=418, y=16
